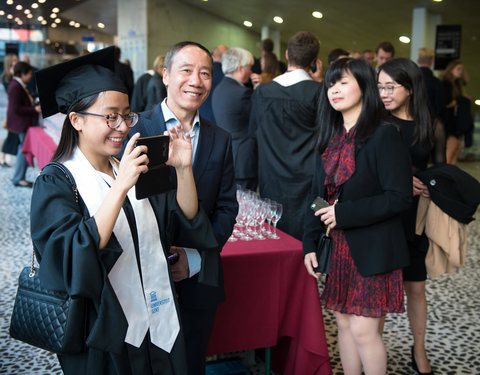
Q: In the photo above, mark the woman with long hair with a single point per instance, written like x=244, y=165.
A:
x=10, y=144
x=454, y=79
x=109, y=247
x=402, y=90
x=363, y=162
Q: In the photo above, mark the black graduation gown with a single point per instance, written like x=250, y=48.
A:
x=66, y=242
x=283, y=121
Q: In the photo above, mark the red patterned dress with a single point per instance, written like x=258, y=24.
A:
x=347, y=291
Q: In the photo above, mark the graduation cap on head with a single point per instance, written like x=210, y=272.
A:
x=63, y=85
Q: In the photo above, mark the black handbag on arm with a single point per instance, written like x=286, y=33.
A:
x=324, y=248
x=48, y=319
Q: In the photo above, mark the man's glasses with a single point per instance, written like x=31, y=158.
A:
x=388, y=89
x=115, y=119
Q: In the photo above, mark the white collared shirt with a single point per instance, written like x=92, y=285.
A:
x=193, y=256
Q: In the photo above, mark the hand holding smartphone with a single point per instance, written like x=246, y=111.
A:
x=319, y=203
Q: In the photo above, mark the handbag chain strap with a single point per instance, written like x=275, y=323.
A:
x=328, y=229
x=75, y=190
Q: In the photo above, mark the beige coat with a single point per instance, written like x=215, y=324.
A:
x=447, y=238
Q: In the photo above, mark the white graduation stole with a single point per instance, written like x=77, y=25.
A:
x=151, y=307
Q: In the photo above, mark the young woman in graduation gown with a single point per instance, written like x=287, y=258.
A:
x=363, y=162
x=403, y=93
x=109, y=248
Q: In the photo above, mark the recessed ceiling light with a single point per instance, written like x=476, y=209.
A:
x=53, y=15
x=19, y=7
x=247, y=23
x=29, y=15
x=9, y=16
x=20, y=22
x=72, y=23
x=9, y=2
x=404, y=39
x=58, y=20
x=101, y=25
x=41, y=1
x=44, y=22
x=437, y=1
x=77, y=25
x=278, y=19
x=34, y=5
x=317, y=14
x=54, y=25
x=27, y=11
x=55, y=10
x=2, y=13
x=40, y=18
x=477, y=102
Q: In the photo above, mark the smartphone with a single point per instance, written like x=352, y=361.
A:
x=172, y=259
x=313, y=67
x=157, y=149
x=319, y=203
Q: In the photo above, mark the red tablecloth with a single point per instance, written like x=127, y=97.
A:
x=38, y=144
x=271, y=296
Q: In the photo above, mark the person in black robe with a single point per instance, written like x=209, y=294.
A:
x=78, y=250
x=282, y=120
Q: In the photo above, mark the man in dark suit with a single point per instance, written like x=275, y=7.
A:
x=198, y=274
x=124, y=72
x=21, y=114
x=231, y=107
x=205, y=109
x=435, y=90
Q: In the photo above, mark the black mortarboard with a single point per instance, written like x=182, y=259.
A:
x=63, y=85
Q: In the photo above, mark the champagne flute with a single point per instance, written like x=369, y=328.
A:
x=276, y=215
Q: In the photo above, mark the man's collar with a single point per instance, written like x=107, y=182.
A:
x=292, y=77
x=232, y=77
x=168, y=115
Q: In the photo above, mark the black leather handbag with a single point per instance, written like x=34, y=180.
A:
x=48, y=319
x=324, y=253
x=324, y=250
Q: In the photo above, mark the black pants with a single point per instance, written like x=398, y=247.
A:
x=197, y=328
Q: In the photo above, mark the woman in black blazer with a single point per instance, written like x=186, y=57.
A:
x=363, y=161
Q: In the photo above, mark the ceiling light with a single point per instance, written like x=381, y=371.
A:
x=72, y=23
x=247, y=23
x=53, y=15
x=101, y=25
x=55, y=10
x=9, y=2
x=27, y=11
x=317, y=14
x=404, y=39
x=2, y=13
x=58, y=20
x=19, y=22
x=34, y=5
x=278, y=19
x=19, y=7
x=9, y=16
x=437, y=1
x=40, y=18
x=54, y=25
x=29, y=15
x=41, y=1
x=77, y=25
x=44, y=22
x=477, y=102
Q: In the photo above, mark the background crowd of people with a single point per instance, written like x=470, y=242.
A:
x=357, y=133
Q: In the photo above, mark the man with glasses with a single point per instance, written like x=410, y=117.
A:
x=198, y=273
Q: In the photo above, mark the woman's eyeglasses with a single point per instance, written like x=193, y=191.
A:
x=388, y=89
x=115, y=119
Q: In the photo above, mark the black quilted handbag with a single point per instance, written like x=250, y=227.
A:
x=48, y=319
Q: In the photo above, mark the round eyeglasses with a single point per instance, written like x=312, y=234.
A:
x=115, y=119
x=388, y=89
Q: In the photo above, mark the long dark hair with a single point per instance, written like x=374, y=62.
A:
x=406, y=73
x=69, y=137
x=330, y=121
